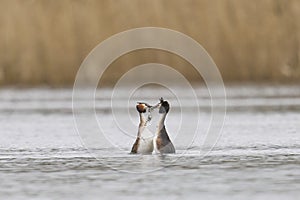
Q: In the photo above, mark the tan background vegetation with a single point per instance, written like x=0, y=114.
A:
x=45, y=41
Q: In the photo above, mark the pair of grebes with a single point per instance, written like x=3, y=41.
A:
x=147, y=142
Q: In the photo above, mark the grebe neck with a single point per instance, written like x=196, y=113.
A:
x=161, y=122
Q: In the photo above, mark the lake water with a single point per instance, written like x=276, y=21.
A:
x=43, y=157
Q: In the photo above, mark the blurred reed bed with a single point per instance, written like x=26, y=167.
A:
x=44, y=42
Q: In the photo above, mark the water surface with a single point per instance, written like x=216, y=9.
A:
x=256, y=157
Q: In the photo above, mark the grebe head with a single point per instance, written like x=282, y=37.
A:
x=142, y=107
x=164, y=106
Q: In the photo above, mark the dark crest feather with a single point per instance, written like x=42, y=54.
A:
x=164, y=108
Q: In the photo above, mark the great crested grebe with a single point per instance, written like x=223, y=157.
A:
x=161, y=142
x=144, y=141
